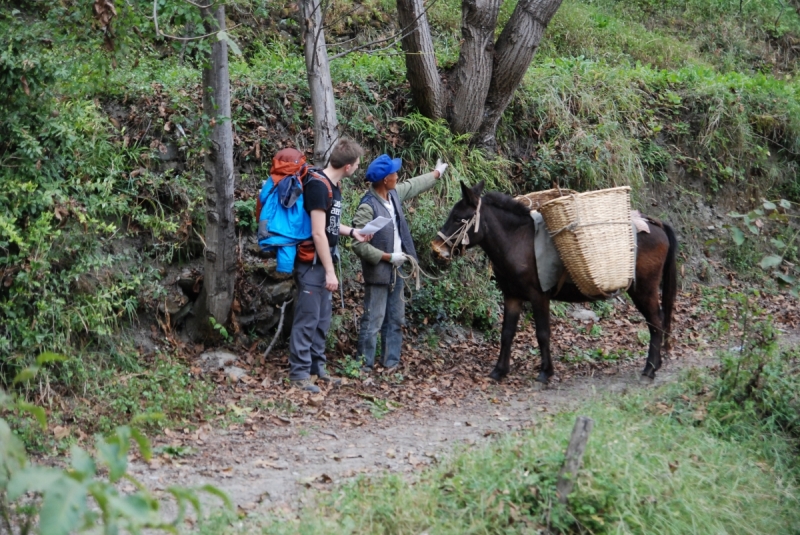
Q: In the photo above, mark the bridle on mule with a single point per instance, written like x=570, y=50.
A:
x=459, y=237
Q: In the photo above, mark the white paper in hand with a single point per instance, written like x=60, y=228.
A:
x=374, y=226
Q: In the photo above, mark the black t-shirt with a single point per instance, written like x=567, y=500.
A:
x=315, y=197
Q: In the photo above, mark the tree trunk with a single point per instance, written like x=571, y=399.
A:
x=473, y=73
x=420, y=58
x=318, y=71
x=219, y=275
x=513, y=54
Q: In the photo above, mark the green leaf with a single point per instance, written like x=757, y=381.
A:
x=219, y=493
x=738, y=235
x=111, y=453
x=32, y=479
x=82, y=463
x=770, y=261
x=769, y=206
x=783, y=203
x=135, y=508
x=752, y=228
x=49, y=356
x=63, y=507
x=36, y=411
x=143, y=442
x=12, y=453
x=735, y=214
x=26, y=375
x=223, y=36
x=777, y=243
x=183, y=495
x=784, y=277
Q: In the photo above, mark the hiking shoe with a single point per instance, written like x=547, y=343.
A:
x=329, y=379
x=366, y=370
x=305, y=384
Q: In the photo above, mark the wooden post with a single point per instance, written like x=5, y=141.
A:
x=574, y=456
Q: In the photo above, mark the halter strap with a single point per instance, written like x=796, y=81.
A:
x=460, y=235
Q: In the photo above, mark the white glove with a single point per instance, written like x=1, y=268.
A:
x=398, y=259
x=441, y=167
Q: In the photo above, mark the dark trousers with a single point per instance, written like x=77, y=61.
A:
x=312, y=318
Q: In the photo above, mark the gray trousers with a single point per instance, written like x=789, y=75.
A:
x=312, y=318
x=384, y=312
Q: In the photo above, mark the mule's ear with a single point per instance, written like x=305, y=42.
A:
x=478, y=189
x=468, y=194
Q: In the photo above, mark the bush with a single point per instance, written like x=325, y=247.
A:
x=56, y=500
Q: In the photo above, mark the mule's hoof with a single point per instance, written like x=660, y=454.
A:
x=543, y=378
x=496, y=375
x=646, y=380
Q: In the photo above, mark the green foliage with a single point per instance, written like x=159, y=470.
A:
x=223, y=332
x=349, y=366
x=61, y=179
x=464, y=293
x=759, y=377
x=60, y=502
x=769, y=230
x=246, y=215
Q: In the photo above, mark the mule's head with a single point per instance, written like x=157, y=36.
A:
x=462, y=227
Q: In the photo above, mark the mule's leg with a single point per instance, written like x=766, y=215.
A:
x=541, y=316
x=511, y=310
x=646, y=300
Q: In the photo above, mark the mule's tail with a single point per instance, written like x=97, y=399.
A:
x=669, y=288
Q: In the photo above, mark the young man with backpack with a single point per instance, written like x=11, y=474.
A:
x=382, y=258
x=314, y=274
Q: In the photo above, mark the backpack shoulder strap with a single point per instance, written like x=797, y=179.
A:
x=314, y=174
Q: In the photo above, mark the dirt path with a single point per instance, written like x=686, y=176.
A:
x=271, y=466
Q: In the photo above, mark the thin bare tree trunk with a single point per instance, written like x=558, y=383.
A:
x=420, y=59
x=219, y=275
x=473, y=73
x=513, y=54
x=318, y=71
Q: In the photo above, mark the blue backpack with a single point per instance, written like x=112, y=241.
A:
x=283, y=224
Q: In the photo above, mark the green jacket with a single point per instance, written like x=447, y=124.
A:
x=364, y=214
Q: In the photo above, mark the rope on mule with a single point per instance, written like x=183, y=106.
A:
x=460, y=235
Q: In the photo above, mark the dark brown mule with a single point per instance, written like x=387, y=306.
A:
x=503, y=228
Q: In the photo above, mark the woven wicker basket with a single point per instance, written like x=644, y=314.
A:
x=593, y=235
x=535, y=200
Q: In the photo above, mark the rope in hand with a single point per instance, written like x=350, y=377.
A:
x=416, y=273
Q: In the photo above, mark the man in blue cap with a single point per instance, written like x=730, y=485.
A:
x=382, y=258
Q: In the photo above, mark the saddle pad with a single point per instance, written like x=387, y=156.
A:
x=548, y=261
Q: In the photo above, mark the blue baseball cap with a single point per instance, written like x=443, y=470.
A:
x=381, y=167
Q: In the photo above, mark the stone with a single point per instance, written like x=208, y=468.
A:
x=234, y=372
x=168, y=152
x=584, y=314
x=214, y=360
x=276, y=294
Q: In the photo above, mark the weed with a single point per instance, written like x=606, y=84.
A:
x=379, y=407
x=219, y=328
x=603, y=309
x=643, y=336
x=349, y=366
x=175, y=451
